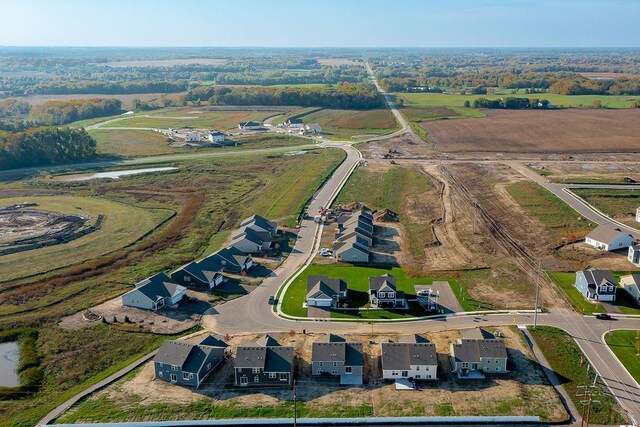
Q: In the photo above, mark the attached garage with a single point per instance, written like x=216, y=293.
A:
x=322, y=301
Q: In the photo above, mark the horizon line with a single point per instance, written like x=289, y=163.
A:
x=319, y=47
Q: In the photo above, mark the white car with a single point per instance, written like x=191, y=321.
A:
x=424, y=293
x=325, y=252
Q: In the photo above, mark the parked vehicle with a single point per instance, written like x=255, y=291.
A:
x=603, y=316
x=325, y=252
x=272, y=299
x=424, y=293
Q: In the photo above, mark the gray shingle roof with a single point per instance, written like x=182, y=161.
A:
x=158, y=286
x=350, y=354
x=378, y=282
x=598, y=277
x=260, y=221
x=318, y=285
x=400, y=356
x=231, y=255
x=472, y=350
x=189, y=356
x=605, y=234
x=271, y=358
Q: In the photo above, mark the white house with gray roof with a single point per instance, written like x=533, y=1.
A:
x=325, y=292
x=404, y=360
x=154, y=293
x=631, y=284
x=634, y=255
x=334, y=356
x=259, y=223
x=606, y=238
x=187, y=363
x=472, y=358
x=263, y=363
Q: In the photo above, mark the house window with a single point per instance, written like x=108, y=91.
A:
x=160, y=365
x=320, y=364
x=174, y=368
x=405, y=374
x=319, y=372
x=394, y=373
x=465, y=365
x=160, y=374
x=418, y=368
x=174, y=378
x=390, y=295
x=255, y=370
x=208, y=366
x=187, y=375
x=497, y=368
x=347, y=369
x=381, y=294
x=284, y=376
x=272, y=375
x=335, y=364
x=187, y=278
x=256, y=379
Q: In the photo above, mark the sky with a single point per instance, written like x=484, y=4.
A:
x=321, y=23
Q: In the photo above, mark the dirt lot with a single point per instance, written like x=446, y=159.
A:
x=29, y=224
x=523, y=391
x=616, y=170
x=562, y=131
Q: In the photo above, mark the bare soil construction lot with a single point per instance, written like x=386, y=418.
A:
x=570, y=131
x=524, y=391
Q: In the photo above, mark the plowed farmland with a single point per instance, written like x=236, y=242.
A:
x=560, y=131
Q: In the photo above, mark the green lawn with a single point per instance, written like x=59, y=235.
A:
x=457, y=101
x=564, y=224
x=345, y=124
x=626, y=345
x=570, y=364
x=565, y=282
x=357, y=279
x=131, y=143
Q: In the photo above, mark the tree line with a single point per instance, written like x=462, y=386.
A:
x=62, y=112
x=509, y=103
x=341, y=95
x=44, y=146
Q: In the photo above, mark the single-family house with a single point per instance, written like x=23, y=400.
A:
x=606, y=238
x=383, y=293
x=249, y=241
x=352, y=249
x=294, y=123
x=631, y=284
x=154, y=293
x=216, y=136
x=187, y=363
x=325, y=292
x=334, y=356
x=193, y=137
x=404, y=360
x=249, y=126
x=260, y=224
x=355, y=225
x=634, y=255
x=232, y=259
x=598, y=285
x=263, y=363
x=472, y=358
x=313, y=128
x=204, y=274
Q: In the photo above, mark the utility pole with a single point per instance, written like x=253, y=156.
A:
x=535, y=309
x=587, y=392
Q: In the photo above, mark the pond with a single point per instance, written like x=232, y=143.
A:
x=9, y=357
x=110, y=174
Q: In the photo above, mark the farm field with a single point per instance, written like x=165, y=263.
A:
x=353, y=124
x=618, y=204
x=568, y=361
x=195, y=117
x=210, y=197
x=563, y=131
x=556, y=100
x=625, y=345
x=166, y=62
x=524, y=391
x=123, y=225
x=589, y=173
x=127, y=99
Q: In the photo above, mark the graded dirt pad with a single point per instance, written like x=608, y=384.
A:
x=523, y=391
x=616, y=170
x=31, y=225
x=536, y=131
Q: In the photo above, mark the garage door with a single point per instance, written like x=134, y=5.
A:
x=323, y=303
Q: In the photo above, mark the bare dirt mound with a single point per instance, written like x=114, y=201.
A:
x=556, y=131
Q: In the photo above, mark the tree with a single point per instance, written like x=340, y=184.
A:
x=467, y=104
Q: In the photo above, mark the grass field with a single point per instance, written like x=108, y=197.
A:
x=357, y=279
x=556, y=100
x=345, y=124
x=618, y=204
x=211, y=197
x=562, y=222
x=539, y=131
x=139, y=143
x=193, y=117
x=123, y=225
x=569, y=363
x=401, y=190
x=626, y=345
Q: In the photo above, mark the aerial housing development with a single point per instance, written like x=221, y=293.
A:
x=231, y=233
